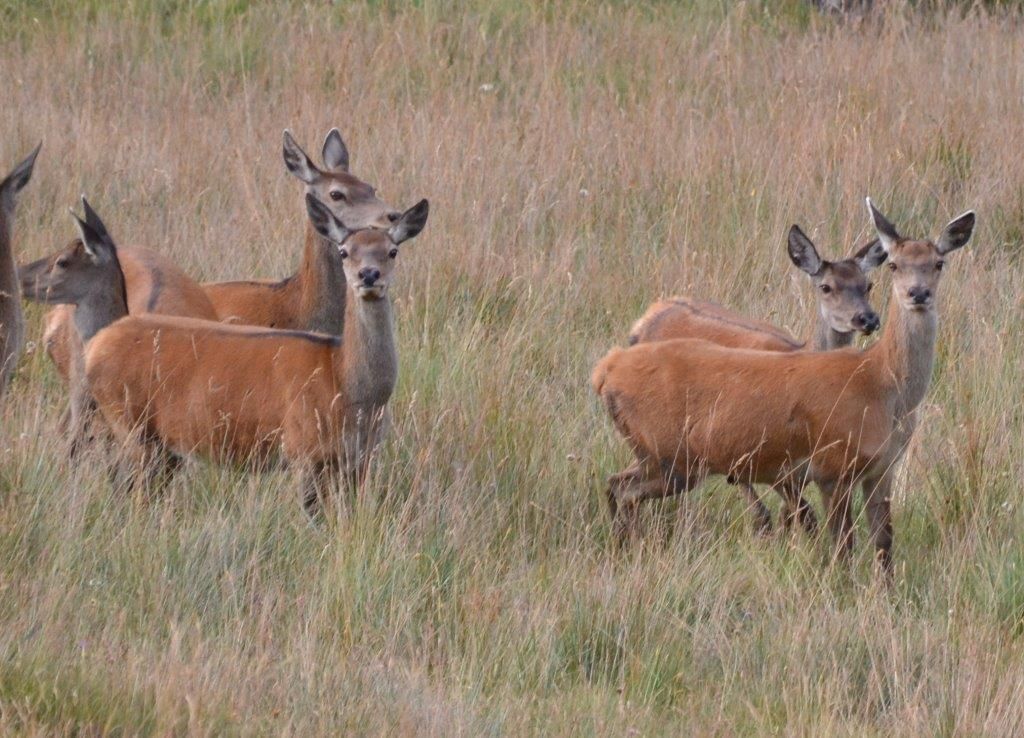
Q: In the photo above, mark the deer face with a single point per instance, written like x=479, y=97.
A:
x=842, y=287
x=353, y=201
x=368, y=256
x=916, y=266
x=87, y=265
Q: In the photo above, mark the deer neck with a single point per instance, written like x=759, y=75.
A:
x=321, y=303
x=8, y=272
x=100, y=308
x=906, y=351
x=367, y=366
x=825, y=338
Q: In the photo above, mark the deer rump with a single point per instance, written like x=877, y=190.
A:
x=205, y=388
x=697, y=409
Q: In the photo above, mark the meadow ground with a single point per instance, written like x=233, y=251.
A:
x=581, y=160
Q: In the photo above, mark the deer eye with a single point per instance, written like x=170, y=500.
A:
x=892, y=267
x=343, y=253
x=337, y=195
x=393, y=253
x=867, y=287
x=939, y=264
x=63, y=262
x=826, y=288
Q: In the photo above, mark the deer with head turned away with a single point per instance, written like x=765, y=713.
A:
x=86, y=275
x=841, y=289
x=12, y=322
x=246, y=394
x=308, y=300
x=689, y=408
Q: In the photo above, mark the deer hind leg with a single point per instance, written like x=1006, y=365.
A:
x=615, y=482
x=645, y=484
x=143, y=464
x=877, y=497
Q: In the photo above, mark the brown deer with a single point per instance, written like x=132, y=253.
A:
x=690, y=408
x=843, y=309
x=12, y=322
x=303, y=301
x=242, y=393
x=88, y=277
x=309, y=299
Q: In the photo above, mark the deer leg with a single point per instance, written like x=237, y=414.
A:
x=877, y=496
x=317, y=480
x=631, y=492
x=840, y=522
x=762, y=517
x=615, y=481
x=797, y=508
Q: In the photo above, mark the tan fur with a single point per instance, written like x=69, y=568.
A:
x=685, y=317
x=154, y=283
x=690, y=408
x=243, y=393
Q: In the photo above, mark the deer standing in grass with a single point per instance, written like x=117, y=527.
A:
x=12, y=322
x=304, y=301
x=238, y=393
x=690, y=408
x=843, y=309
x=309, y=299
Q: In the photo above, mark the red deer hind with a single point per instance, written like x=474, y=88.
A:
x=689, y=408
x=843, y=309
x=240, y=393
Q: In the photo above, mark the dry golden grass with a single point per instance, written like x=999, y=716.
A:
x=581, y=160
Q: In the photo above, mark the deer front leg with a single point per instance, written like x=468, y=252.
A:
x=877, y=497
x=762, y=517
x=318, y=479
x=836, y=496
x=797, y=508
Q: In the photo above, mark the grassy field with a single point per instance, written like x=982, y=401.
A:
x=581, y=160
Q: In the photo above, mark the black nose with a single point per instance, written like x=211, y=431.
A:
x=393, y=216
x=866, y=322
x=920, y=295
x=369, y=275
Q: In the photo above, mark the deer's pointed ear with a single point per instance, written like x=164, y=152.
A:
x=93, y=220
x=802, y=252
x=97, y=245
x=335, y=152
x=324, y=221
x=870, y=255
x=296, y=161
x=410, y=223
x=887, y=233
x=957, y=233
x=17, y=179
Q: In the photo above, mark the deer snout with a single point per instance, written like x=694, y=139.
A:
x=919, y=295
x=369, y=275
x=866, y=322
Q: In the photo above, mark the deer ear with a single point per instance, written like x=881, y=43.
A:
x=94, y=221
x=957, y=233
x=802, y=252
x=97, y=245
x=870, y=255
x=410, y=223
x=887, y=233
x=324, y=221
x=296, y=161
x=17, y=179
x=335, y=153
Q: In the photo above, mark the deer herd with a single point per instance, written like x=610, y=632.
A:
x=299, y=371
